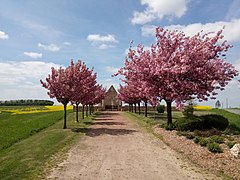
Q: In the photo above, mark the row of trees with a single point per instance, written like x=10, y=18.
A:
x=27, y=102
x=76, y=84
x=176, y=68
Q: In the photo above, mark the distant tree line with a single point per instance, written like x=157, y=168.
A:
x=26, y=102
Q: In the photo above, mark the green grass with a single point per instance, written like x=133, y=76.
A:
x=30, y=157
x=232, y=118
x=14, y=128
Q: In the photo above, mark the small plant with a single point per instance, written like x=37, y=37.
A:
x=196, y=139
x=230, y=144
x=170, y=127
x=188, y=111
x=217, y=139
x=160, y=108
x=203, y=141
x=214, y=147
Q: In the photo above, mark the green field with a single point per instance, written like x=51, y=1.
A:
x=28, y=142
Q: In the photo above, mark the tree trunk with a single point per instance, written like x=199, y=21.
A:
x=77, y=112
x=87, y=110
x=82, y=111
x=132, y=108
x=129, y=107
x=135, y=107
x=90, y=110
x=169, y=111
x=145, y=109
x=65, y=116
x=139, y=112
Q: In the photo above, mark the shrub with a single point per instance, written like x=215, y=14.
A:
x=203, y=141
x=160, y=108
x=196, y=139
x=215, y=121
x=189, y=124
x=168, y=127
x=214, y=147
x=230, y=144
x=217, y=139
x=232, y=129
x=188, y=111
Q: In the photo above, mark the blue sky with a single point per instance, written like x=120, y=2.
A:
x=36, y=35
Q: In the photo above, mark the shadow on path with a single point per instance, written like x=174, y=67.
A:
x=114, y=132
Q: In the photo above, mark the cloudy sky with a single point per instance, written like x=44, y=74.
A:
x=36, y=35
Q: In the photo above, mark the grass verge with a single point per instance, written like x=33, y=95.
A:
x=20, y=126
x=28, y=158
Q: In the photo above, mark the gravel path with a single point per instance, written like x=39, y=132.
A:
x=117, y=148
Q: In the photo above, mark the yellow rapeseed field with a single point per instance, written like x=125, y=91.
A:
x=203, y=108
x=31, y=110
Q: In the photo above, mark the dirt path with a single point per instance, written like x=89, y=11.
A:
x=117, y=148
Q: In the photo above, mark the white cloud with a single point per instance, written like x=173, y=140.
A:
x=231, y=31
x=67, y=43
x=50, y=47
x=21, y=79
x=158, y=9
x=3, y=35
x=102, y=42
x=33, y=55
x=98, y=38
x=112, y=70
x=105, y=46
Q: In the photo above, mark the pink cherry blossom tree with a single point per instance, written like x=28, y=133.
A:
x=60, y=86
x=180, y=68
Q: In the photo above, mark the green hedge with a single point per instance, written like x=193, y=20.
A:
x=189, y=123
x=215, y=121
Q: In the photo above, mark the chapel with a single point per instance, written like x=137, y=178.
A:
x=110, y=101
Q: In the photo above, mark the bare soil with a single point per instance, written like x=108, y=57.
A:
x=117, y=148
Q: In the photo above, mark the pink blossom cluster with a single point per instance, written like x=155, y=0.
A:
x=177, y=68
x=76, y=84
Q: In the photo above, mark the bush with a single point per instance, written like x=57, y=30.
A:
x=196, y=139
x=203, y=141
x=160, y=108
x=232, y=129
x=188, y=111
x=214, y=147
x=189, y=124
x=217, y=139
x=168, y=127
x=215, y=121
x=230, y=144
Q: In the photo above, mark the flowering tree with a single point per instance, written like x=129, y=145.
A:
x=60, y=86
x=75, y=84
x=180, y=68
x=81, y=75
